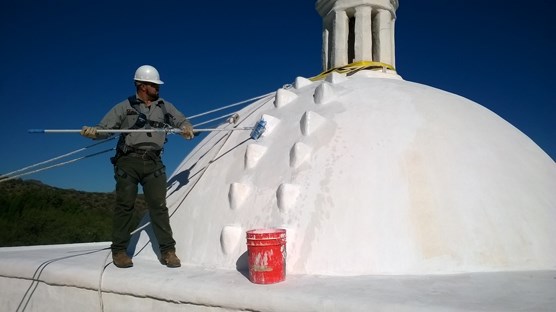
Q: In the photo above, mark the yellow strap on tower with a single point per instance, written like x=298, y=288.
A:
x=353, y=67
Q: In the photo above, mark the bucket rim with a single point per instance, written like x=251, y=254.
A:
x=262, y=231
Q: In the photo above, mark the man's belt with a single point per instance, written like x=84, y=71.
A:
x=136, y=152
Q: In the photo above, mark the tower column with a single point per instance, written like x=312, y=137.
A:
x=325, y=48
x=340, y=39
x=393, y=43
x=384, y=51
x=363, y=33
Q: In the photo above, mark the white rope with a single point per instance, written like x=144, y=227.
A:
x=103, y=268
x=231, y=105
x=56, y=165
x=53, y=159
x=211, y=120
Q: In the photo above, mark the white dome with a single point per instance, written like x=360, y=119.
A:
x=370, y=176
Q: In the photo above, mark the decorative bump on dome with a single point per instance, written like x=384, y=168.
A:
x=286, y=196
x=301, y=82
x=237, y=194
x=271, y=123
x=324, y=93
x=230, y=238
x=284, y=97
x=299, y=154
x=335, y=77
x=310, y=122
x=253, y=154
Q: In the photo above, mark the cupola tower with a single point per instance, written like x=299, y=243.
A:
x=357, y=30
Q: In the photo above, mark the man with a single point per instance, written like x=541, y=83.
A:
x=138, y=160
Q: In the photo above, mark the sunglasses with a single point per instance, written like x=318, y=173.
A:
x=152, y=84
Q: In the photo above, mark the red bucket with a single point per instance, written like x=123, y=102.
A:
x=266, y=251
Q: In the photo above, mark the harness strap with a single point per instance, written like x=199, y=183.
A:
x=142, y=121
x=134, y=102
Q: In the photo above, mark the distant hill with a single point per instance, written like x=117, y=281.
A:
x=33, y=213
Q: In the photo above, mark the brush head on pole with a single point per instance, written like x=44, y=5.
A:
x=258, y=130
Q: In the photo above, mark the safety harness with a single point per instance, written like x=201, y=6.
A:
x=142, y=119
x=141, y=122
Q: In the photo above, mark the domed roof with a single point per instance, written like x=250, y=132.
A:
x=369, y=176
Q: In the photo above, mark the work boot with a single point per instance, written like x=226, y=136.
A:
x=121, y=259
x=170, y=259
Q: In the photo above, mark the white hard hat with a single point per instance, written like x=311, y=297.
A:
x=147, y=73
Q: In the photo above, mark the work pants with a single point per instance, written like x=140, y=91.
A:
x=149, y=171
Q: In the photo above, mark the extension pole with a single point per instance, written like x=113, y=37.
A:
x=169, y=130
x=256, y=131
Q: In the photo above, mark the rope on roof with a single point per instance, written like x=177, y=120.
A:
x=352, y=68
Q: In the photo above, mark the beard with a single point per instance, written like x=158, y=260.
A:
x=153, y=96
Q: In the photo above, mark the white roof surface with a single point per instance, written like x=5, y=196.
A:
x=67, y=277
x=395, y=196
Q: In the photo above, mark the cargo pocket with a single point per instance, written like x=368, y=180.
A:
x=119, y=173
x=159, y=172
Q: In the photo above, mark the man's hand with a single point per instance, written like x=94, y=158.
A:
x=89, y=132
x=187, y=132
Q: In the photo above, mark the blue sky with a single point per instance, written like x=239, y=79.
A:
x=66, y=63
